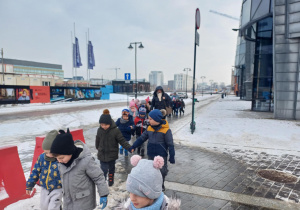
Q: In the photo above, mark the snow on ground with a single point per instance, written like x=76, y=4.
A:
x=228, y=123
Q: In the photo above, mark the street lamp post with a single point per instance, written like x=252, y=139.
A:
x=187, y=71
x=202, y=77
x=211, y=81
x=130, y=48
x=2, y=66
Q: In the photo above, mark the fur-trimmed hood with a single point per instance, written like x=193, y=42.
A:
x=168, y=204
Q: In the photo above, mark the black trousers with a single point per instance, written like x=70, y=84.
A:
x=164, y=170
x=108, y=167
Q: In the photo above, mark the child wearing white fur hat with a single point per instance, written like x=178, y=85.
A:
x=144, y=184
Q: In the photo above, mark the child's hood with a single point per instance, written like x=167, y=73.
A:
x=85, y=152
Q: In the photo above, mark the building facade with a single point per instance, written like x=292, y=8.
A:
x=19, y=72
x=267, y=59
x=156, y=78
x=183, y=82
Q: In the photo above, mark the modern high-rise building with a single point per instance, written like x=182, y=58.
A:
x=267, y=60
x=156, y=78
x=183, y=82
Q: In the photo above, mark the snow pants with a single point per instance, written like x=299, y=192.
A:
x=51, y=200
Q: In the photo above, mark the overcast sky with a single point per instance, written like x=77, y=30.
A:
x=40, y=31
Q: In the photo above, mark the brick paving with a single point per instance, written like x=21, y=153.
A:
x=233, y=172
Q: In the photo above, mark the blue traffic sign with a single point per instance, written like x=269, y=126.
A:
x=127, y=76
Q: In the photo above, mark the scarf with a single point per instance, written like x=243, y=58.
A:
x=49, y=158
x=159, y=95
x=155, y=206
x=75, y=155
x=123, y=121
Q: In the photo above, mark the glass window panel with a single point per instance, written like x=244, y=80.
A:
x=271, y=6
x=246, y=12
x=265, y=24
x=262, y=10
x=254, y=7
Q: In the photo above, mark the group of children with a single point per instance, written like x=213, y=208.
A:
x=67, y=169
x=178, y=106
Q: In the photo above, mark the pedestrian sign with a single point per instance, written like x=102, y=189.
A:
x=127, y=76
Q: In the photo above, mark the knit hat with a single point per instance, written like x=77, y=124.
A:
x=125, y=112
x=131, y=103
x=163, y=112
x=105, y=117
x=156, y=115
x=142, y=110
x=63, y=143
x=49, y=140
x=137, y=101
x=147, y=99
x=145, y=179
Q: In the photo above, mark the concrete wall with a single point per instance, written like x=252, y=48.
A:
x=286, y=59
x=28, y=80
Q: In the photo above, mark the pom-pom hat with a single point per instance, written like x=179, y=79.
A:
x=145, y=179
x=157, y=116
x=105, y=117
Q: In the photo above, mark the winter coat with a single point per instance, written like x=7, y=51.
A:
x=177, y=104
x=107, y=143
x=165, y=100
x=168, y=204
x=133, y=114
x=125, y=127
x=160, y=141
x=45, y=171
x=182, y=104
x=140, y=125
x=79, y=180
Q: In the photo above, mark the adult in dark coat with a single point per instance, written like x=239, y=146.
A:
x=160, y=100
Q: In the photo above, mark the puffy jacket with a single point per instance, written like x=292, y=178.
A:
x=45, y=171
x=125, y=127
x=79, y=180
x=160, y=141
x=165, y=100
x=140, y=125
x=107, y=143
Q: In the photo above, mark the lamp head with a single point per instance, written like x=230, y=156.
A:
x=141, y=46
x=130, y=47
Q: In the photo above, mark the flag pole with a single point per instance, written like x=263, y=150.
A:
x=87, y=58
x=72, y=57
x=76, y=58
x=89, y=72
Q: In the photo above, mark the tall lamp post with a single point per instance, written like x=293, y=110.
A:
x=187, y=71
x=211, y=81
x=202, y=77
x=130, y=48
x=2, y=66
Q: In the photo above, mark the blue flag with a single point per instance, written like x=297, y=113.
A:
x=76, y=54
x=91, y=58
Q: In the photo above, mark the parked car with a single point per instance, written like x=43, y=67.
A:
x=182, y=95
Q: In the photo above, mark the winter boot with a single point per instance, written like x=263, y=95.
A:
x=121, y=150
x=126, y=153
x=163, y=187
x=111, y=180
x=139, y=150
x=142, y=152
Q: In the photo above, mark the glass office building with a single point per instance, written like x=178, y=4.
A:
x=30, y=67
x=267, y=56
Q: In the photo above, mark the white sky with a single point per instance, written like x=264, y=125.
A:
x=41, y=31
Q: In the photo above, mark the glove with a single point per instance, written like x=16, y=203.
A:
x=103, y=201
x=131, y=149
x=172, y=159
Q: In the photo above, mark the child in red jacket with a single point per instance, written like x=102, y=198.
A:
x=141, y=123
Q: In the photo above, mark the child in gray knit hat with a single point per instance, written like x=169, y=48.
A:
x=144, y=184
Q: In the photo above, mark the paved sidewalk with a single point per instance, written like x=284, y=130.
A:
x=223, y=174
